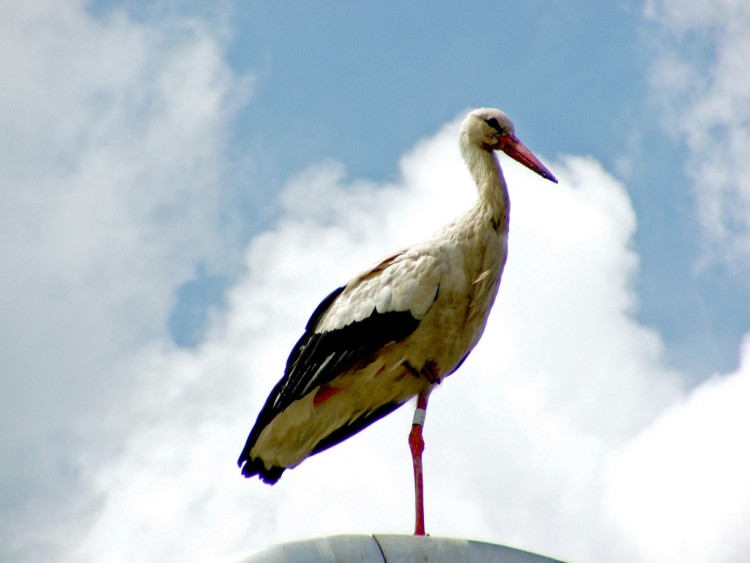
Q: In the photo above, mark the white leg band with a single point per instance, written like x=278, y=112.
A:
x=419, y=416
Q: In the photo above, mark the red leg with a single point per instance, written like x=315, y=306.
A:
x=416, y=443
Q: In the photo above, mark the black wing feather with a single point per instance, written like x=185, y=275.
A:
x=317, y=359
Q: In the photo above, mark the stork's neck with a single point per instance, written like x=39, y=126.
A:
x=493, y=191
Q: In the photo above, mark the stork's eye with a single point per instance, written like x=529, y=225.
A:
x=492, y=122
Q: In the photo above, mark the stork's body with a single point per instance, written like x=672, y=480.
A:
x=398, y=329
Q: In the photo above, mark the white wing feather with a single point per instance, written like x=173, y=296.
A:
x=405, y=282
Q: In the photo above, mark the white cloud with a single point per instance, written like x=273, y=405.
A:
x=701, y=75
x=112, y=135
x=526, y=445
x=682, y=487
x=545, y=439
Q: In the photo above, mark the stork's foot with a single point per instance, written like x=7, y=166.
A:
x=429, y=372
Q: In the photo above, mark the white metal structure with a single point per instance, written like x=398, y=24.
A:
x=394, y=549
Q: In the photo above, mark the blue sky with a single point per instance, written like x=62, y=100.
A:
x=183, y=184
x=329, y=99
x=586, y=63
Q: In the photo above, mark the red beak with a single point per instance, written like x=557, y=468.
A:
x=514, y=148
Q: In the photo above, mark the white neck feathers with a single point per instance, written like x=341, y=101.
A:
x=490, y=182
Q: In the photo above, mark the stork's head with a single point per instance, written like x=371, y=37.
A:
x=492, y=130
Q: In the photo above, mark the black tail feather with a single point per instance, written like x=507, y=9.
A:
x=252, y=467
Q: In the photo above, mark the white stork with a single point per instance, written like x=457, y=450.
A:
x=396, y=330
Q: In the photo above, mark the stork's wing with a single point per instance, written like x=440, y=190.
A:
x=383, y=305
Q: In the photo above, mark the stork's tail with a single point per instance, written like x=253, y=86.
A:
x=252, y=467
